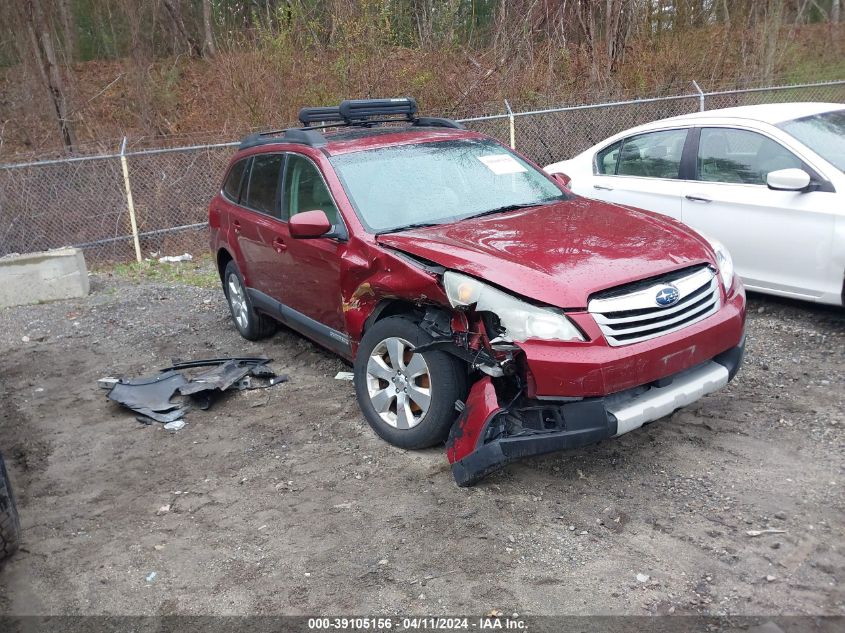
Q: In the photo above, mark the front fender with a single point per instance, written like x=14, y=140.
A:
x=373, y=276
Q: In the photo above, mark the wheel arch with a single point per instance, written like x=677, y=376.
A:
x=223, y=258
x=391, y=307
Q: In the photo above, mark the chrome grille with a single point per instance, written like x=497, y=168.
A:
x=635, y=316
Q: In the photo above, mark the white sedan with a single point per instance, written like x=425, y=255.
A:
x=768, y=181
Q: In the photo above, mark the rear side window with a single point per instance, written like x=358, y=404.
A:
x=263, y=191
x=232, y=186
x=606, y=159
x=740, y=156
x=652, y=155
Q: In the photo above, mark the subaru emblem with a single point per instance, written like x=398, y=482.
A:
x=667, y=296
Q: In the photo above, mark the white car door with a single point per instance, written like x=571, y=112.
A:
x=640, y=171
x=780, y=241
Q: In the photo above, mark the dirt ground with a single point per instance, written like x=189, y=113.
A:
x=284, y=501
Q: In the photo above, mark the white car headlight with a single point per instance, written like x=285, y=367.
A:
x=520, y=319
x=726, y=264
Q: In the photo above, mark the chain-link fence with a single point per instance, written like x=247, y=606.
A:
x=85, y=201
x=550, y=135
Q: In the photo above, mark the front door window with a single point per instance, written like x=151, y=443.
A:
x=305, y=189
x=740, y=156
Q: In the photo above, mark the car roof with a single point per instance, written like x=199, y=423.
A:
x=771, y=113
x=345, y=140
x=355, y=139
x=768, y=113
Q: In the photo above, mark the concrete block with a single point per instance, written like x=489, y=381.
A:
x=38, y=277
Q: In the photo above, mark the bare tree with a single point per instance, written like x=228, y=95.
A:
x=174, y=9
x=208, y=46
x=605, y=27
x=769, y=36
x=68, y=28
x=140, y=62
x=39, y=34
x=833, y=25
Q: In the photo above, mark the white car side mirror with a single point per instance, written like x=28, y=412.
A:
x=788, y=180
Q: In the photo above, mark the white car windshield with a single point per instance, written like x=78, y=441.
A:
x=822, y=133
x=424, y=184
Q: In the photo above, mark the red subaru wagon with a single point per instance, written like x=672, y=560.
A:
x=482, y=303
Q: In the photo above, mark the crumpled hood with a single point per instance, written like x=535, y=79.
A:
x=562, y=253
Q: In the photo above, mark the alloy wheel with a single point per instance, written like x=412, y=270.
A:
x=398, y=383
x=237, y=301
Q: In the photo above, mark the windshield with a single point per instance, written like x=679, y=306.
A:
x=822, y=133
x=398, y=187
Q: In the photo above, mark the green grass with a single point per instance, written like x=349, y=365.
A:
x=200, y=272
x=801, y=63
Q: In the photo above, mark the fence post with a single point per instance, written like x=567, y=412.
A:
x=700, y=95
x=510, y=121
x=130, y=205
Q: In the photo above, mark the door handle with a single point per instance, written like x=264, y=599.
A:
x=603, y=187
x=279, y=245
x=697, y=198
x=237, y=226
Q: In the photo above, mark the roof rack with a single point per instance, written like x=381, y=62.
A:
x=327, y=114
x=352, y=112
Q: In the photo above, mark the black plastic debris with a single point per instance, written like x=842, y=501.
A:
x=255, y=361
x=250, y=382
x=220, y=377
x=153, y=396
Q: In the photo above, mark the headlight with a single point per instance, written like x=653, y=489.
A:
x=520, y=319
x=726, y=264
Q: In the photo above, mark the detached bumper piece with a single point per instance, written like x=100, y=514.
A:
x=151, y=397
x=488, y=436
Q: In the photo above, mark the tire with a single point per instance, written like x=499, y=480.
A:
x=10, y=525
x=251, y=324
x=393, y=399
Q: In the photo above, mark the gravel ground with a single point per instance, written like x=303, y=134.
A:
x=283, y=501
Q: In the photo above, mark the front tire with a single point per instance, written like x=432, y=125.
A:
x=251, y=324
x=10, y=525
x=407, y=398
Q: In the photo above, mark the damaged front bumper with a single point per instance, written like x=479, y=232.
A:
x=488, y=435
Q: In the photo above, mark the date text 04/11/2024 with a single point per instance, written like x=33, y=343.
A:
x=423, y=623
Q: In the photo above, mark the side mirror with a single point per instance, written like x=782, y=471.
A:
x=562, y=179
x=309, y=224
x=788, y=180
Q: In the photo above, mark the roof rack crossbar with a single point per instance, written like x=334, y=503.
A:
x=304, y=136
x=429, y=121
x=299, y=135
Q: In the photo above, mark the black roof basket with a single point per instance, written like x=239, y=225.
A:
x=352, y=112
x=360, y=111
x=328, y=114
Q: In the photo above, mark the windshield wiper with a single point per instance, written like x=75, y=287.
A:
x=408, y=227
x=503, y=209
x=511, y=207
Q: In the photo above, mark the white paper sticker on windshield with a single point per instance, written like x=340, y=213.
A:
x=501, y=164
